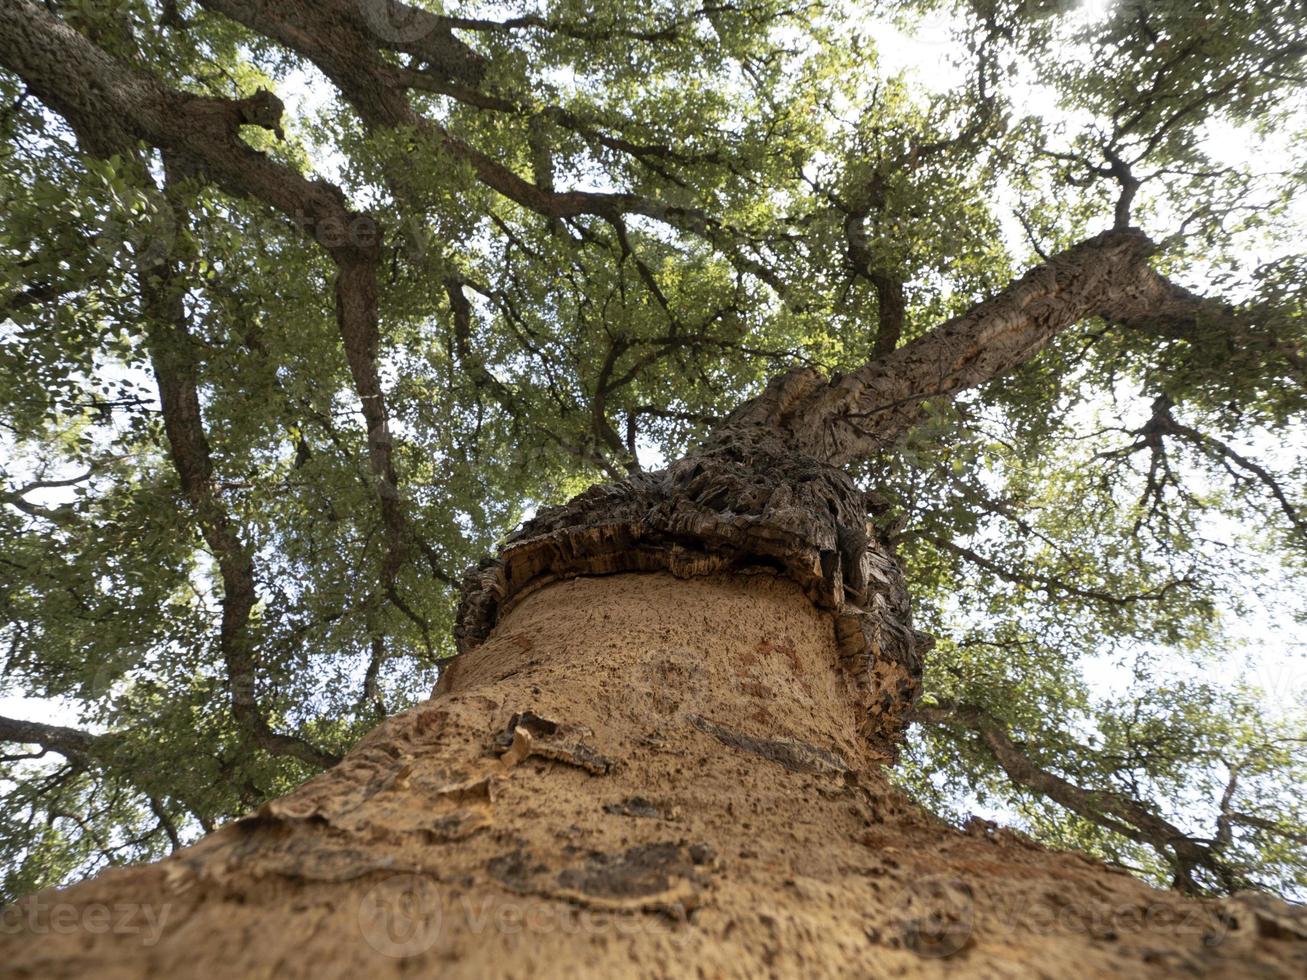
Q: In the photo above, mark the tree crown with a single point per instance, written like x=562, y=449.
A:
x=305, y=305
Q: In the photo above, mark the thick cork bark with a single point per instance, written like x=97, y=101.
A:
x=746, y=501
x=635, y=775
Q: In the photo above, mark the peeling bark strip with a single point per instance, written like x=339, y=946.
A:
x=634, y=806
x=661, y=878
x=528, y=734
x=794, y=755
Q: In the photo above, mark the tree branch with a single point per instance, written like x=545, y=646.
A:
x=75, y=745
x=111, y=107
x=171, y=357
x=1110, y=810
x=377, y=90
x=874, y=406
x=1051, y=585
x=1167, y=423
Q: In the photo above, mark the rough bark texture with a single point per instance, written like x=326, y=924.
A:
x=745, y=501
x=636, y=775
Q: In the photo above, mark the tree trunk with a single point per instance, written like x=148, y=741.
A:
x=661, y=754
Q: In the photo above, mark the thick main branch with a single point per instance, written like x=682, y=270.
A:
x=873, y=407
x=171, y=350
x=73, y=744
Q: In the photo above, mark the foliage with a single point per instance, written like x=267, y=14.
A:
x=1083, y=536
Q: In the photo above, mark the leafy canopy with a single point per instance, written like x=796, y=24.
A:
x=231, y=530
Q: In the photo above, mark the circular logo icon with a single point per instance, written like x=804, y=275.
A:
x=400, y=23
x=677, y=681
x=934, y=916
x=112, y=679
x=401, y=916
x=935, y=27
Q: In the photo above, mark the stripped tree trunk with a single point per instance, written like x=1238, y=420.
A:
x=662, y=748
x=661, y=753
